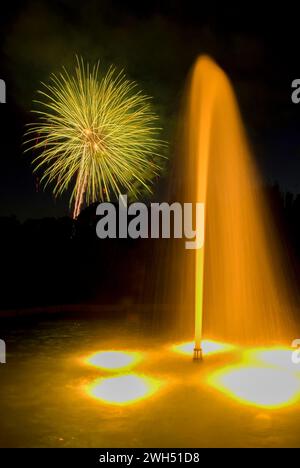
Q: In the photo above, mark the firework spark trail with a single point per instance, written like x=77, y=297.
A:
x=96, y=132
x=79, y=197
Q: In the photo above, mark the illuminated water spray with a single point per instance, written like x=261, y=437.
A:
x=240, y=282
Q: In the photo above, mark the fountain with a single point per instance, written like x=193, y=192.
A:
x=240, y=283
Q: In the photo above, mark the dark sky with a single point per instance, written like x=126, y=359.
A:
x=156, y=42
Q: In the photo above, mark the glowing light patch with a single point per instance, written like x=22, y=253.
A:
x=114, y=360
x=208, y=347
x=259, y=386
x=124, y=389
x=279, y=357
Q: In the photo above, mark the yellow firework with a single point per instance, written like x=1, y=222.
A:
x=96, y=134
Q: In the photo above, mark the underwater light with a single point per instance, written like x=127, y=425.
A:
x=124, y=389
x=259, y=386
x=208, y=347
x=114, y=360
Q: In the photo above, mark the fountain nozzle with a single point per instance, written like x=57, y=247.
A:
x=198, y=355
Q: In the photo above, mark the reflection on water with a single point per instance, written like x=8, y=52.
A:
x=45, y=402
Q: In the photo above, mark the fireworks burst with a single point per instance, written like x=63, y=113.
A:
x=96, y=132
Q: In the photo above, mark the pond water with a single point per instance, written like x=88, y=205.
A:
x=103, y=383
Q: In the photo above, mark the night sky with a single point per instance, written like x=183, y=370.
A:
x=156, y=43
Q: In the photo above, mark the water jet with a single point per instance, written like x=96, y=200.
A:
x=242, y=292
x=235, y=288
